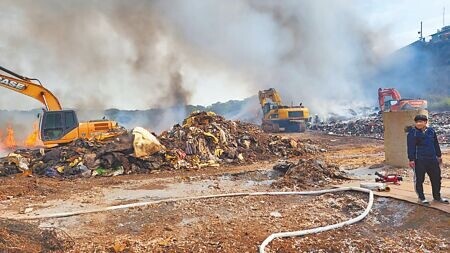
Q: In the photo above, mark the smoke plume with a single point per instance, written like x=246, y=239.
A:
x=144, y=54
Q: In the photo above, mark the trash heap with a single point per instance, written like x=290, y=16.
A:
x=441, y=123
x=128, y=153
x=204, y=140
x=310, y=172
x=371, y=126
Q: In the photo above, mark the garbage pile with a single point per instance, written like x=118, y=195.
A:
x=307, y=173
x=204, y=140
x=207, y=139
x=441, y=123
x=371, y=126
x=129, y=152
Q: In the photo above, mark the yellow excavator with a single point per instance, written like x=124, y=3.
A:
x=281, y=118
x=57, y=126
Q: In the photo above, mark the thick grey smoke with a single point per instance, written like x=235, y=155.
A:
x=92, y=54
x=317, y=52
x=141, y=54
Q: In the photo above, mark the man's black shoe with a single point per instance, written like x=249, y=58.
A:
x=424, y=202
x=442, y=200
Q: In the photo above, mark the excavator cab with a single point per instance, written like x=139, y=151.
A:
x=389, y=103
x=268, y=107
x=57, y=126
x=54, y=125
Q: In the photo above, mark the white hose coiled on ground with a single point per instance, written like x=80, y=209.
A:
x=265, y=242
x=325, y=228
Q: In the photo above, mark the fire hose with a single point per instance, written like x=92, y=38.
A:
x=324, y=228
x=266, y=241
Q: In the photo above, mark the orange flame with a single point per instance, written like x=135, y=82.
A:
x=10, y=141
x=32, y=139
x=1, y=143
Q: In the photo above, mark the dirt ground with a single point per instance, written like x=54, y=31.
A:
x=237, y=224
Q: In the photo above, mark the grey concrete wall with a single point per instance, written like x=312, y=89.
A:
x=395, y=150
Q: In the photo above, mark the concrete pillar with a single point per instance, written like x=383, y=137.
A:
x=395, y=151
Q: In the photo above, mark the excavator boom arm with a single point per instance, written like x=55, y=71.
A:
x=386, y=92
x=24, y=86
x=271, y=94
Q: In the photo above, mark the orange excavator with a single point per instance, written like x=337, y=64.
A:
x=57, y=126
x=396, y=103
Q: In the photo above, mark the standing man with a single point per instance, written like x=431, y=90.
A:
x=424, y=156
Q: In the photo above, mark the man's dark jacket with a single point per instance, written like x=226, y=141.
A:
x=423, y=144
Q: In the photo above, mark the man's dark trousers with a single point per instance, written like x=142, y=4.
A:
x=430, y=167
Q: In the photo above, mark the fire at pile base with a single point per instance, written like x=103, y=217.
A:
x=204, y=140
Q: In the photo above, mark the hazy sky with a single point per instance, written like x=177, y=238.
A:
x=208, y=80
x=402, y=17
